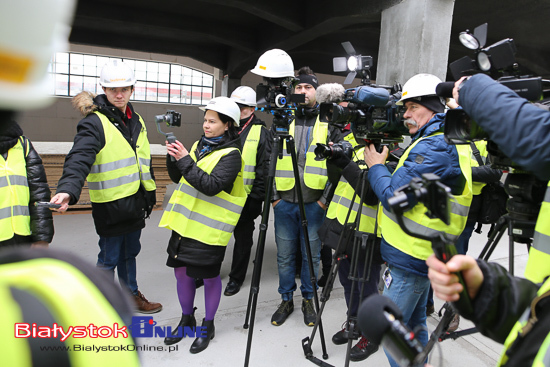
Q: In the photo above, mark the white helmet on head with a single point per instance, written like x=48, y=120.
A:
x=26, y=51
x=116, y=73
x=274, y=64
x=245, y=96
x=226, y=106
x=419, y=85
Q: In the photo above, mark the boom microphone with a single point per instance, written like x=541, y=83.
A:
x=330, y=93
x=379, y=320
x=445, y=89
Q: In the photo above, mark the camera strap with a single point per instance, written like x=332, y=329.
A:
x=476, y=153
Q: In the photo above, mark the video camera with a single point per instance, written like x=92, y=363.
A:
x=277, y=98
x=498, y=61
x=369, y=108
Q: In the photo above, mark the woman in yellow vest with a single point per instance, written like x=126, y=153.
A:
x=22, y=184
x=203, y=211
x=510, y=310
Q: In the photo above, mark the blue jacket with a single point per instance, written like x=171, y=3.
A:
x=432, y=155
x=520, y=129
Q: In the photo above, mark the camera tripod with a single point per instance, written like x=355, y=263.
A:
x=281, y=135
x=363, y=244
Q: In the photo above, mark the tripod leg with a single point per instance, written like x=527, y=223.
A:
x=291, y=148
x=258, y=260
x=494, y=238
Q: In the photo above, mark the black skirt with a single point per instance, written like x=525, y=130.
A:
x=201, y=260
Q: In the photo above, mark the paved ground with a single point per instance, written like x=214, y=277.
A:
x=271, y=345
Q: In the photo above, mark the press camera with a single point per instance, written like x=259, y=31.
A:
x=369, y=108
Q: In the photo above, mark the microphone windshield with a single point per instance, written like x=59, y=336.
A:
x=330, y=93
x=371, y=319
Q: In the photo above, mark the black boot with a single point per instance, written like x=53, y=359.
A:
x=200, y=344
x=186, y=320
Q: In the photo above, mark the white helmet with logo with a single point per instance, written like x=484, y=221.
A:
x=116, y=73
x=245, y=96
x=418, y=86
x=226, y=106
x=32, y=31
x=274, y=64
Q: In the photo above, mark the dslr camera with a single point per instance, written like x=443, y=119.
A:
x=325, y=151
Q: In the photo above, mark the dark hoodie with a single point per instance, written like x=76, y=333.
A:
x=114, y=218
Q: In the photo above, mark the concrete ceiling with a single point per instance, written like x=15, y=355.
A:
x=232, y=34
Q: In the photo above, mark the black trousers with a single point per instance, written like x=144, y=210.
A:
x=244, y=239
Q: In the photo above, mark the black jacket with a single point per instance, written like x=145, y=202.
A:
x=187, y=250
x=500, y=302
x=41, y=221
x=262, y=156
x=114, y=218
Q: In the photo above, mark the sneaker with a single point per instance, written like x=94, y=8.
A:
x=453, y=325
x=309, y=312
x=144, y=306
x=362, y=350
x=283, y=311
x=340, y=337
x=430, y=309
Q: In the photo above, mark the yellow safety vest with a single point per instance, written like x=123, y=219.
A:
x=542, y=359
x=118, y=170
x=208, y=219
x=250, y=151
x=73, y=300
x=315, y=172
x=341, y=202
x=14, y=194
x=416, y=219
x=481, y=145
x=538, y=263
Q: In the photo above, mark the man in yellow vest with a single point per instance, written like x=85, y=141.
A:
x=112, y=153
x=256, y=145
x=428, y=153
x=307, y=130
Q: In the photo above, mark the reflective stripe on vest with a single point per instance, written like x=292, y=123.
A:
x=118, y=170
x=481, y=145
x=208, y=219
x=543, y=356
x=73, y=300
x=341, y=202
x=250, y=151
x=416, y=219
x=315, y=172
x=14, y=194
x=538, y=263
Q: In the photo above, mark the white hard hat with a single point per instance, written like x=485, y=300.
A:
x=32, y=31
x=245, y=96
x=418, y=86
x=226, y=106
x=116, y=73
x=274, y=64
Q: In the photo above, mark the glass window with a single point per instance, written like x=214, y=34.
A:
x=71, y=73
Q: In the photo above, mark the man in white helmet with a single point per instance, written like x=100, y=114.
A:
x=307, y=131
x=406, y=279
x=111, y=151
x=256, y=144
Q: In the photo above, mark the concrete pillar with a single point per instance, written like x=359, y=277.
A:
x=414, y=38
x=229, y=85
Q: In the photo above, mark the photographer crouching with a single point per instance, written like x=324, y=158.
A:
x=428, y=153
x=508, y=309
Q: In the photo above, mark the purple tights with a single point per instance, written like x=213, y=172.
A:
x=186, y=293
